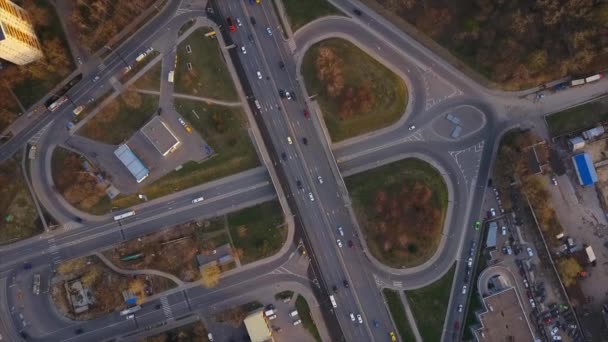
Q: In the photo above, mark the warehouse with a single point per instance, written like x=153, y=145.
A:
x=132, y=163
x=585, y=171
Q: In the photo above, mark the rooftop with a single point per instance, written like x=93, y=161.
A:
x=505, y=319
x=161, y=136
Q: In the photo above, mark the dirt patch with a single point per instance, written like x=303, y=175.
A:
x=190, y=332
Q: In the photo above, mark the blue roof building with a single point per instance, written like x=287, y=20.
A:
x=585, y=170
x=132, y=163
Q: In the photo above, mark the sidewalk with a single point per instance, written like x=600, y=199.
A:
x=410, y=316
x=116, y=269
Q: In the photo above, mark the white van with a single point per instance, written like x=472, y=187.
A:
x=210, y=337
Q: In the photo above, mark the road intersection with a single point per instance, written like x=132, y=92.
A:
x=436, y=89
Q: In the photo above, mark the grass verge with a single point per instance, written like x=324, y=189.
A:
x=20, y=219
x=429, y=306
x=120, y=119
x=195, y=331
x=578, y=118
x=356, y=93
x=225, y=131
x=151, y=79
x=302, y=12
x=401, y=207
x=395, y=306
x=307, y=321
x=258, y=232
x=209, y=75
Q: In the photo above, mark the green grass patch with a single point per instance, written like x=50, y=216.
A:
x=225, y=131
x=88, y=108
x=9, y=108
x=302, y=12
x=209, y=76
x=578, y=118
x=195, y=331
x=18, y=216
x=371, y=95
x=307, y=321
x=151, y=79
x=120, y=119
x=421, y=198
x=258, y=232
x=395, y=306
x=429, y=306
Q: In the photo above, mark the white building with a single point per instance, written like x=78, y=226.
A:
x=18, y=41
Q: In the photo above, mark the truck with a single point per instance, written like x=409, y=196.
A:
x=593, y=78
x=579, y=82
x=590, y=254
x=130, y=310
x=333, y=301
x=36, y=285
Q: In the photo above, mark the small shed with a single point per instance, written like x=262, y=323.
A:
x=576, y=143
x=594, y=132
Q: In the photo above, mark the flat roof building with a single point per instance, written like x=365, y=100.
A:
x=160, y=135
x=504, y=319
x=132, y=163
x=492, y=231
x=585, y=171
x=18, y=41
x=257, y=327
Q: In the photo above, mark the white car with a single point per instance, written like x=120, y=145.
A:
x=470, y=262
x=554, y=180
x=269, y=31
x=130, y=316
x=411, y=128
x=297, y=322
x=320, y=180
x=360, y=319
x=504, y=230
x=340, y=231
x=464, y=289
x=339, y=242
x=532, y=303
x=210, y=337
x=243, y=50
x=196, y=200
x=259, y=75
x=530, y=253
x=460, y=308
x=557, y=338
x=96, y=79
x=509, y=250
x=270, y=318
x=312, y=198
x=288, y=95
x=493, y=212
x=238, y=22
x=289, y=140
x=352, y=316
x=554, y=331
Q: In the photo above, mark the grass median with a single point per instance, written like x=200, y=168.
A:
x=356, y=93
x=395, y=306
x=301, y=12
x=429, y=306
x=307, y=321
x=401, y=207
x=578, y=118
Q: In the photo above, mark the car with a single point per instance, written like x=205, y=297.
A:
x=548, y=320
x=78, y=331
x=464, y=289
x=78, y=219
x=345, y=283
x=297, y=322
x=312, y=198
x=477, y=225
x=238, y=22
x=282, y=93
x=470, y=262
x=27, y=266
x=299, y=184
x=243, y=50
x=376, y=323
x=493, y=212
x=210, y=337
x=198, y=199
x=320, y=179
x=352, y=317
x=357, y=11
x=131, y=316
x=335, y=288
x=350, y=244
x=269, y=31
x=532, y=303
x=554, y=180
x=557, y=338
x=250, y=37
x=339, y=242
x=252, y=19
x=359, y=319
x=78, y=110
x=554, y=331
x=304, y=141
x=259, y=75
x=306, y=114
x=411, y=128
x=184, y=124
x=459, y=308
x=509, y=250
x=270, y=318
x=393, y=336
x=281, y=65
x=96, y=79
x=284, y=156
x=340, y=231
x=231, y=26
x=471, y=251
x=504, y=230
x=529, y=251
x=289, y=141
x=288, y=95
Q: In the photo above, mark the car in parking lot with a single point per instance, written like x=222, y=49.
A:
x=339, y=242
x=297, y=322
x=184, y=124
x=340, y=231
x=289, y=140
x=288, y=95
x=352, y=317
x=554, y=180
x=509, y=250
x=282, y=93
x=243, y=50
x=470, y=262
x=259, y=75
x=493, y=212
x=269, y=31
x=312, y=198
x=503, y=231
x=532, y=303
x=529, y=251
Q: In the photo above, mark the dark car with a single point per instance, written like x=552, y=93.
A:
x=282, y=93
x=281, y=65
x=345, y=283
x=250, y=37
x=252, y=20
x=78, y=219
x=299, y=184
x=284, y=156
x=350, y=243
x=78, y=331
x=335, y=288
x=306, y=114
x=357, y=11
x=305, y=141
x=270, y=307
x=158, y=306
x=27, y=266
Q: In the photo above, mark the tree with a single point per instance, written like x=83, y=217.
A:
x=210, y=275
x=569, y=270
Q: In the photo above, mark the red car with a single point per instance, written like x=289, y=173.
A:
x=350, y=244
x=456, y=326
x=306, y=114
x=231, y=26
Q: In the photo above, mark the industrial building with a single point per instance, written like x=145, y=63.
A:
x=504, y=318
x=491, y=239
x=576, y=143
x=593, y=133
x=18, y=41
x=585, y=171
x=257, y=327
x=161, y=136
x=132, y=163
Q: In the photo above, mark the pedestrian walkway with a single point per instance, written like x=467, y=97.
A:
x=410, y=316
x=166, y=307
x=116, y=269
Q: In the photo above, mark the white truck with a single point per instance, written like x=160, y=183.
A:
x=333, y=301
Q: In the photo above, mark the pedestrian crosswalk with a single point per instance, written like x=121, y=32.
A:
x=166, y=307
x=34, y=139
x=70, y=225
x=54, y=252
x=182, y=11
x=101, y=67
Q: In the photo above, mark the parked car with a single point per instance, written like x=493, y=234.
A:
x=530, y=252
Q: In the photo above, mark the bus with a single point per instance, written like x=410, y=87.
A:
x=55, y=105
x=124, y=216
